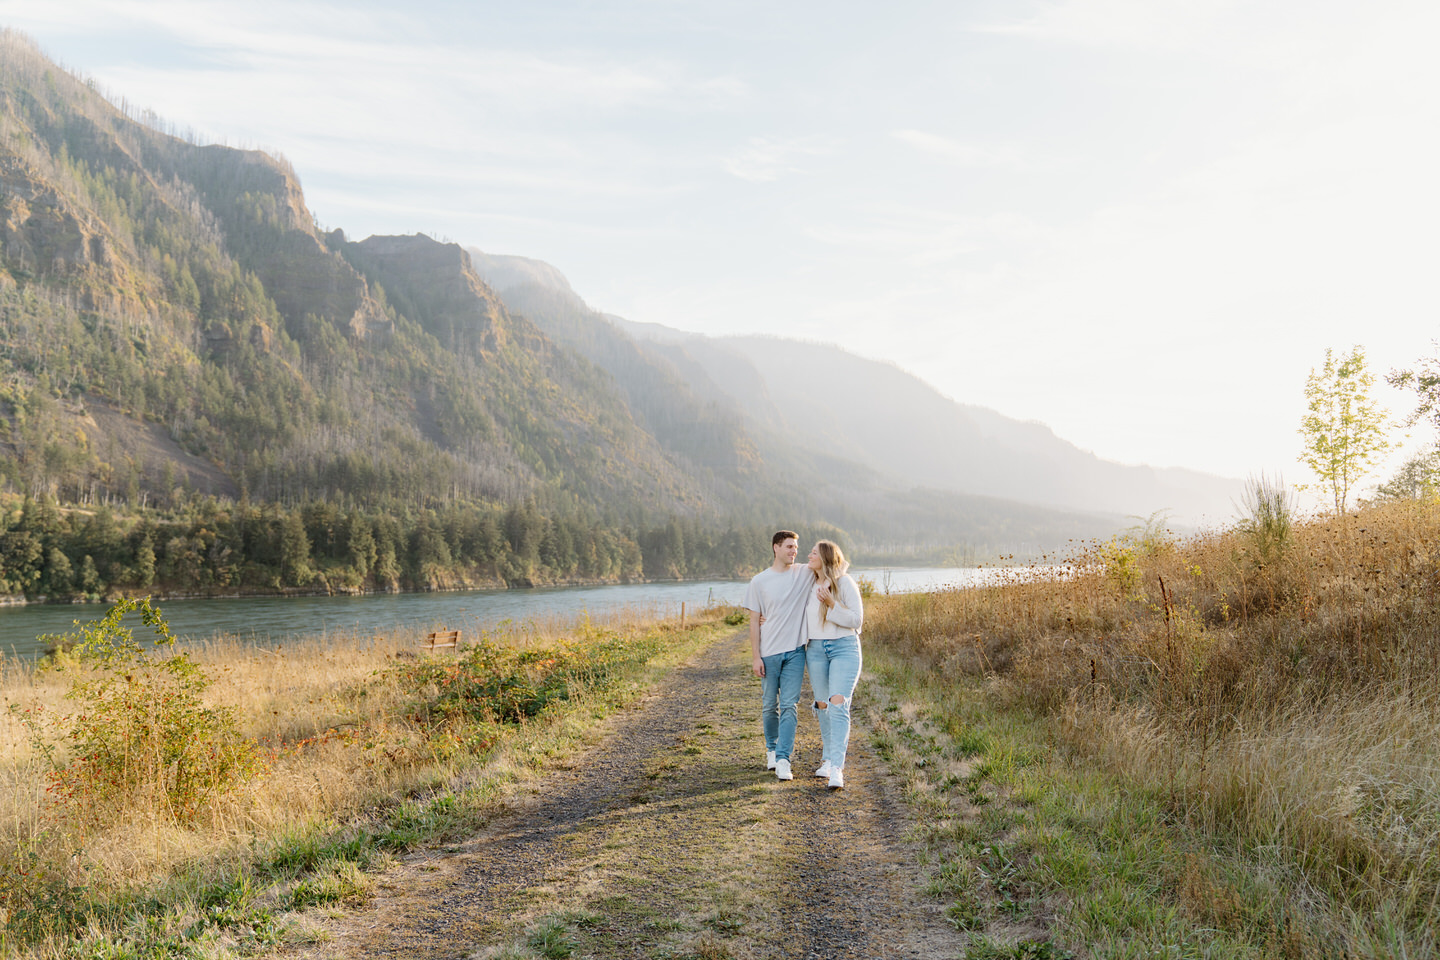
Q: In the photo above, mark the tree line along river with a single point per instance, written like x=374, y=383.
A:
x=277, y=620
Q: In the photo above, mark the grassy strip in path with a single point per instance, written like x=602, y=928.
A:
x=692, y=864
x=475, y=748
x=1042, y=856
x=687, y=849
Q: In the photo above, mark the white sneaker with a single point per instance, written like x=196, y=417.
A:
x=770, y=760
x=837, y=778
x=782, y=770
x=823, y=770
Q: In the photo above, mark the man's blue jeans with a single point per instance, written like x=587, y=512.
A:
x=781, y=691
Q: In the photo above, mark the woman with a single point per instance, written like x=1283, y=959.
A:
x=833, y=617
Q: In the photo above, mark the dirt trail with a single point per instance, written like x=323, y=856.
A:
x=669, y=839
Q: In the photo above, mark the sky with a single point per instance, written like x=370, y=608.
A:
x=1140, y=222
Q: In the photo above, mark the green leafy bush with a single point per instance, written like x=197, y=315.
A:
x=143, y=737
x=498, y=684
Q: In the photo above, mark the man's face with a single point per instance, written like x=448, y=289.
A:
x=786, y=550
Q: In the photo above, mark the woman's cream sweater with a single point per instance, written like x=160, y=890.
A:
x=843, y=619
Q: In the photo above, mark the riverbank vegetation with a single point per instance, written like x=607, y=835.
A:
x=211, y=546
x=312, y=764
x=1223, y=746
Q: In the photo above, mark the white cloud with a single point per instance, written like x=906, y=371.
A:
x=1150, y=25
x=1008, y=156
x=765, y=159
x=347, y=56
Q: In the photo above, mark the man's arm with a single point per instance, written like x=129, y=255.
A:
x=756, y=664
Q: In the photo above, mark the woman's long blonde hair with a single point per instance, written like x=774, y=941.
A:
x=832, y=567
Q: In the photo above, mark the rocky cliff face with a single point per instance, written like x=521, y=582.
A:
x=435, y=281
x=89, y=197
x=259, y=206
x=47, y=236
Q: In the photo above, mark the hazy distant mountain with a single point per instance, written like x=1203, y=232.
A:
x=902, y=431
x=902, y=427
x=515, y=273
x=709, y=437
x=711, y=411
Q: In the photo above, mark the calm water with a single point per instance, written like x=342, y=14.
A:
x=277, y=619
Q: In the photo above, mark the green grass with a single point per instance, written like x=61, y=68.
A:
x=1032, y=838
x=552, y=939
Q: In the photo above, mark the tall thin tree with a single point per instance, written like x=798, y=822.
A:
x=1345, y=429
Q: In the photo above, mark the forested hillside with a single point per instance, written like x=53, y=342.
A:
x=710, y=437
x=241, y=400
x=188, y=285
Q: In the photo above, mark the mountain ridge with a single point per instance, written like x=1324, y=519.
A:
x=980, y=451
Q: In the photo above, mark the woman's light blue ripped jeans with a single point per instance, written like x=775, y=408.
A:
x=834, y=667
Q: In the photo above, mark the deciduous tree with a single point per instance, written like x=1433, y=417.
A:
x=1424, y=379
x=1344, y=428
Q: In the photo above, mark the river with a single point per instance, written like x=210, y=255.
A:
x=275, y=620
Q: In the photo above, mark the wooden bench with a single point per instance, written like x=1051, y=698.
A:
x=441, y=639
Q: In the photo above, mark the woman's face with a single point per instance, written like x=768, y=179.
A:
x=815, y=563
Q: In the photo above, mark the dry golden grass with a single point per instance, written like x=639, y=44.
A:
x=1283, y=695
x=336, y=727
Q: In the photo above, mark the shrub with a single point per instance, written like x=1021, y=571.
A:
x=492, y=683
x=143, y=737
x=1267, y=523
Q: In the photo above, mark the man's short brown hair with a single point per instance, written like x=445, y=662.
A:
x=782, y=535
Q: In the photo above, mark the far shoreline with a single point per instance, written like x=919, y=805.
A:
x=160, y=593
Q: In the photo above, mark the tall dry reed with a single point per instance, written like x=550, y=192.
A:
x=333, y=718
x=1282, y=690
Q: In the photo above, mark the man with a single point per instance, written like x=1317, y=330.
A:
x=778, y=594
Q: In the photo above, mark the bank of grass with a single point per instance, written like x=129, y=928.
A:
x=1231, y=742
x=370, y=747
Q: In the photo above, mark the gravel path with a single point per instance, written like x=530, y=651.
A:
x=669, y=839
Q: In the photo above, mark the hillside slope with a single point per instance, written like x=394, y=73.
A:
x=901, y=426
x=714, y=409
x=890, y=430
x=186, y=285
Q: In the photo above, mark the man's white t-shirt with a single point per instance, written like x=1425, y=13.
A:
x=780, y=596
